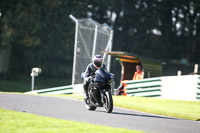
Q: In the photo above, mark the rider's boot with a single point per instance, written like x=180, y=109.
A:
x=85, y=92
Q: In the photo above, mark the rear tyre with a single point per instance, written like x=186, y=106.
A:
x=89, y=106
x=108, y=102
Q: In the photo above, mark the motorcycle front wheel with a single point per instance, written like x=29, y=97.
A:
x=108, y=102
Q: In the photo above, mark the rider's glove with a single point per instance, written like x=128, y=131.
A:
x=88, y=79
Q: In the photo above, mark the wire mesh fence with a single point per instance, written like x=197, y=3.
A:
x=91, y=38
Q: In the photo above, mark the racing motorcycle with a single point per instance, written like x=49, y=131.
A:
x=99, y=91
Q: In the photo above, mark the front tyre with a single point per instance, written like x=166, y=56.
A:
x=89, y=106
x=108, y=102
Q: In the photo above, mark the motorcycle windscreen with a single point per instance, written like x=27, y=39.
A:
x=101, y=75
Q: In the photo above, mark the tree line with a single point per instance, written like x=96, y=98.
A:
x=40, y=33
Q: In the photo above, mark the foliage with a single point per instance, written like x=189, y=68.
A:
x=41, y=33
x=22, y=83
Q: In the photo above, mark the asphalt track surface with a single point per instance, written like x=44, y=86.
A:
x=75, y=110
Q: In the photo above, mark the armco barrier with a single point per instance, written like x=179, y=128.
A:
x=148, y=92
x=198, y=88
x=186, y=87
x=70, y=89
x=55, y=90
x=144, y=88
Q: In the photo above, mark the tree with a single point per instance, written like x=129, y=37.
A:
x=40, y=33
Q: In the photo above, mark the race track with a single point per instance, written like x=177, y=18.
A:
x=75, y=110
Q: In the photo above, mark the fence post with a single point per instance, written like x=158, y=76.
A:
x=95, y=37
x=196, y=68
x=110, y=48
x=75, y=48
x=179, y=73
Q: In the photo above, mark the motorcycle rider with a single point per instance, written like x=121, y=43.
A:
x=90, y=72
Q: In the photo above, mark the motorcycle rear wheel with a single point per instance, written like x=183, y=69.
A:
x=89, y=106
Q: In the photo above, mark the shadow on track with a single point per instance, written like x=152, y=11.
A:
x=150, y=116
x=154, y=116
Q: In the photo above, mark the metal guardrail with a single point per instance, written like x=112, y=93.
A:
x=152, y=92
x=143, y=80
x=70, y=89
x=198, y=95
x=198, y=87
x=150, y=87
x=57, y=90
x=143, y=85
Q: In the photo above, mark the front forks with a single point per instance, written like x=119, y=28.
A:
x=102, y=97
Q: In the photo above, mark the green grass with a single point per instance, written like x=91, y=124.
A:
x=18, y=122
x=22, y=83
x=174, y=108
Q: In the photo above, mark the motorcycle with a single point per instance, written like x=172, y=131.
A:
x=99, y=91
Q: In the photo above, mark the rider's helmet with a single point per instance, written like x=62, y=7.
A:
x=97, y=61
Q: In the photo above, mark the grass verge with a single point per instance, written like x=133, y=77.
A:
x=174, y=108
x=11, y=121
